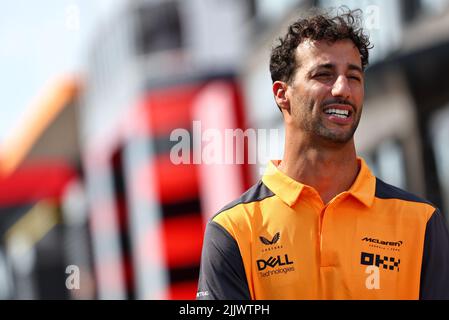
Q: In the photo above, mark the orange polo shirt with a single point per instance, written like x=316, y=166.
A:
x=280, y=241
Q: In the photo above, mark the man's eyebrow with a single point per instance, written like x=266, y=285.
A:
x=355, y=67
x=351, y=66
x=324, y=66
x=332, y=66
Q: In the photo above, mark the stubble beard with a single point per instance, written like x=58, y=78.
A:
x=315, y=125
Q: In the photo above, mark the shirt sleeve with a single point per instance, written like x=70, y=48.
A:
x=222, y=274
x=435, y=263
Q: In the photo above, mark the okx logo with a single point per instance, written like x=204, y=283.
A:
x=272, y=262
x=371, y=259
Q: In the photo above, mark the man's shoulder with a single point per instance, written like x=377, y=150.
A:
x=257, y=193
x=387, y=191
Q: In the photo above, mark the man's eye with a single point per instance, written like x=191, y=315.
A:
x=323, y=75
x=355, y=78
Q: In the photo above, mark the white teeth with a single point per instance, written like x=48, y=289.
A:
x=338, y=112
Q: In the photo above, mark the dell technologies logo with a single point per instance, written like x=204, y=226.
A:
x=279, y=265
x=272, y=262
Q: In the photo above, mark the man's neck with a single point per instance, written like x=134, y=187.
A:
x=329, y=171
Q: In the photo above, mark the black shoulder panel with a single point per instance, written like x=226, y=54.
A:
x=435, y=261
x=222, y=274
x=257, y=192
x=387, y=191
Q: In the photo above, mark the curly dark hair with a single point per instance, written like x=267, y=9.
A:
x=344, y=25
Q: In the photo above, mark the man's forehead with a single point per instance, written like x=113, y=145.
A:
x=322, y=52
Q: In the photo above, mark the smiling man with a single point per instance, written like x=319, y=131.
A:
x=319, y=225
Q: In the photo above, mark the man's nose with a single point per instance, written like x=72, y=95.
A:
x=341, y=87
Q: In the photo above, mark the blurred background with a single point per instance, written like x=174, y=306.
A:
x=92, y=205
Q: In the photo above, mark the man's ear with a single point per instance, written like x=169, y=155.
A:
x=280, y=95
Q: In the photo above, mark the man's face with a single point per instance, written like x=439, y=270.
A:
x=327, y=89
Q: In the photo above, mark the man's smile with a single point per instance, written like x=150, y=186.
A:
x=339, y=113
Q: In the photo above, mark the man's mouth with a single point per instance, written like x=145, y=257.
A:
x=338, y=113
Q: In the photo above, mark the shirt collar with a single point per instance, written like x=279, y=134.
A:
x=289, y=189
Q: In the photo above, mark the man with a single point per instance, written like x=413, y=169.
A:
x=319, y=225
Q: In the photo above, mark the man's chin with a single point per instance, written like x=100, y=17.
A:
x=338, y=138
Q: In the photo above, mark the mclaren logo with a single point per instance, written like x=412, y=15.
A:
x=382, y=242
x=273, y=241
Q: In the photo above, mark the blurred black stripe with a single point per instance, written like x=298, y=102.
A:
x=186, y=273
x=181, y=208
